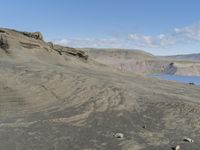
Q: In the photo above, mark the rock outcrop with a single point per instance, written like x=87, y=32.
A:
x=68, y=50
x=35, y=41
x=35, y=35
x=170, y=69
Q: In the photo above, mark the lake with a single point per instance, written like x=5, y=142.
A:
x=182, y=79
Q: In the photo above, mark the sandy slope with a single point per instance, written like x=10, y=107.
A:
x=50, y=101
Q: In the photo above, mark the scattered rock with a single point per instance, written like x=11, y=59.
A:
x=144, y=127
x=177, y=147
x=191, y=83
x=188, y=140
x=119, y=135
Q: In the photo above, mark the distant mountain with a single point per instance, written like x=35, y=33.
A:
x=191, y=57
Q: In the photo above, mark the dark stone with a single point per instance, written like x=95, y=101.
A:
x=4, y=44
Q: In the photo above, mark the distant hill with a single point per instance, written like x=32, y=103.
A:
x=120, y=53
x=131, y=60
x=138, y=61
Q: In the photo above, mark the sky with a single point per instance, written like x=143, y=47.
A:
x=161, y=27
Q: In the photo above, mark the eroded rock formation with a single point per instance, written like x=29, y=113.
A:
x=35, y=41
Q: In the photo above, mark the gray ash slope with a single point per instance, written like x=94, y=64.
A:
x=52, y=97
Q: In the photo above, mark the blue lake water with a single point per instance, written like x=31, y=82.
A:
x=182, y=79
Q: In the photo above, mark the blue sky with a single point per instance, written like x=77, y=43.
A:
x=162, y=27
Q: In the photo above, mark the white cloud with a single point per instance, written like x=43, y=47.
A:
x=182, y=35
x=133, y=41
x=190, y=32
x=96, y=43
x=160, y=40
x=88, y=42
